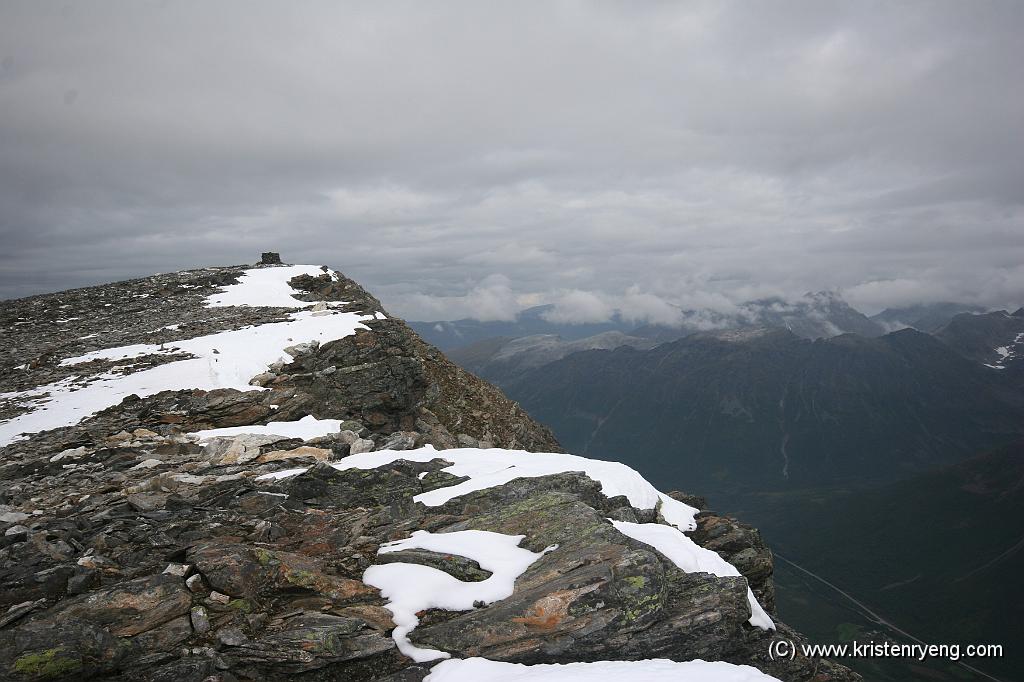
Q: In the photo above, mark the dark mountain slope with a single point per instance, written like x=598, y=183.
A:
x=768, y=409
x=995, y=339
x=821, y=314
x=937, y=554
x=927, y=317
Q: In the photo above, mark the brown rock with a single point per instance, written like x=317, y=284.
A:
x=319, y=454
x=168, y=635
x=131, y=607
x=243, y=571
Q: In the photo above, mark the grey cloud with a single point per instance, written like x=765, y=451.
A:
x=579, y=307
x=636, y=306
x=490, y=300
x=706, y=152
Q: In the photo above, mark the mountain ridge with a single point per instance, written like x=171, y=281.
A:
x=766, y=407
x=222, y=523
x=814, y=315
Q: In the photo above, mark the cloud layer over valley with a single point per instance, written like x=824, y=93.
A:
x=471, y=159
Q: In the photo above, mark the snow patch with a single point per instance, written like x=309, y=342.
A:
x=265, y=287
x=223, y=360
x=305, y=428
x=411, y=588
x=652, y=670
x=226, y=359
x=1006, y=353
x=493, y=467
x=279, y=475
x=691, y=558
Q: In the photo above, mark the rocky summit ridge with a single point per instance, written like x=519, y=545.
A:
x=255, y=473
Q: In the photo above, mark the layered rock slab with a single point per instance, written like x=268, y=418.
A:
x=275, y=568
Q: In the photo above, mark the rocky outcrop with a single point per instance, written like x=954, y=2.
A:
x=132, y=550
x=738, y=543
x=216, y=573
x=384, y=376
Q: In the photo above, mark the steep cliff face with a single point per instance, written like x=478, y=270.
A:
x=255, y=473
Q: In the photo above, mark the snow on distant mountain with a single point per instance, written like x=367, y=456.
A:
x=994, y=339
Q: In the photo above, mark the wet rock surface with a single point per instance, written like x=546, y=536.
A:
x=130, y=550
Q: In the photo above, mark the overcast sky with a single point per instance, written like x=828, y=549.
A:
x=471, y=158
